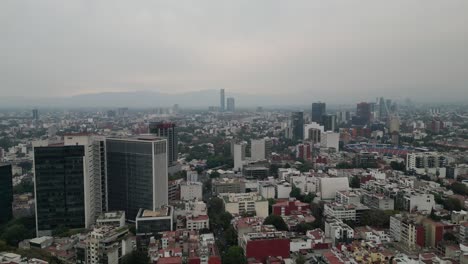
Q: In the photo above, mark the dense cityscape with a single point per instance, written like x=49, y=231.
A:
x=381, y=181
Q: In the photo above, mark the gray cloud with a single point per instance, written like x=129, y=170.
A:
x=328, y=50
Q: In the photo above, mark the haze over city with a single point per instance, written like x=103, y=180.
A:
x=234, y=132
x=325, y=50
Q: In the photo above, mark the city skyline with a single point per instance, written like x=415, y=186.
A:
x=327, y=49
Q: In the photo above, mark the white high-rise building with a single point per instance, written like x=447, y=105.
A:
x=330, y=139
x=108, y=244
x=427, y=163
x=313, y=125
x=260, y=148
x=191, y=190
x=239, y=155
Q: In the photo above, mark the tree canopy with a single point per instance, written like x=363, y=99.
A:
x=234, y=255
x=136, y=257
x=277, y=221
x=459, y=188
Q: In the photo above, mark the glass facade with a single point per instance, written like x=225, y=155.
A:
x=59, y=180
x=129, y=176
x=6, y=193
x=167, y=130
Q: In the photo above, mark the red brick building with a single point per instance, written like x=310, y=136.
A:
x=265, y=244
x=291, y=208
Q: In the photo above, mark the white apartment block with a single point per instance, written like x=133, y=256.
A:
x=406, y=230
x=191, y=191
x=306, y=183
x=330, y=139
x=348, y=197
x=314, y=126
x=283, y=189
x=340, y=211
x=378, y=201
x=427, y=163
x=107, y=244
x=197, y=222
x=267, y=190
x=239, y=155
x=241, y=203
x=395, y=228
x=330, y=185
x=422, y=202
x=260, y=148
x=338, y=231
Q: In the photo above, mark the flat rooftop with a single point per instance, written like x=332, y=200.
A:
x=161, y=212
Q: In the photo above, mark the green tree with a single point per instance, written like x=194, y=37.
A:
x=309, y=197
x=452, y=204
x=376, y=217
x=296, y=193
x=459, y=188
x=230, y=235
x=300, y=259
x=277, y=221
x=25, y=166
x=450, y=237
x=225, y=219
x=15, y=234
x=24, y=187
x=399, y=166
x=304, y=227
x=274, y=170
x=214, y=174
x=136, y=257
x=271, y=202
x=344, y=165
x=355, y=182
x=215, y=205
x=234, y=255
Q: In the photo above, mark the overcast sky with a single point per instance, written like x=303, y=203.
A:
x=355, y=49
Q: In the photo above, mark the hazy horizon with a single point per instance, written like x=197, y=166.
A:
x=333, y=51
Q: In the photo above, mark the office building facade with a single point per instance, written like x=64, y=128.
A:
x=59, y=184
x=6, y=193
x=70, y=183
x=329, y=122
x=297, y=124
x=168, y=131
x=231, y=105
x=318, y=110
x=136, y=174
x=222, y=101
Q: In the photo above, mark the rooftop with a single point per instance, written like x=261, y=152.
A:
x=161, y=212
x=115, y=215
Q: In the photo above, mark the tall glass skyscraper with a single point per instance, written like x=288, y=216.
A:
x=297, y=123
x=59, y=186
x=167, y=130
x=136, y=174
x=318, y=110
x=69, y=182
x=222, y=101
x=6, y=193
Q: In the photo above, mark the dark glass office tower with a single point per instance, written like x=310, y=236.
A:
x=6, y=193
x=136, y=174
x=222, y=100
x=59, y=187
x=329, y=122
x=297, y=122
x=168, y=131
x=318, y=110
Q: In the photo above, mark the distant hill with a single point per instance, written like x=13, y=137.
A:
x=146, y=99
